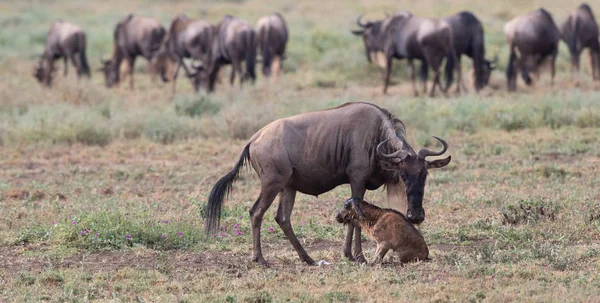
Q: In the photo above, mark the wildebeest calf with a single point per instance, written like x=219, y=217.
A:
x=390, y=230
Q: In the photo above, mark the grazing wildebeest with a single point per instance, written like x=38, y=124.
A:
x=411, y=37
x=357, y=143
x=468, y=36
x=579, y=31
x=234, y=41
x=187, y=38
x=64, y=40
x=535, y=37
x=133, y=36
x=271, y=38
x=389, y=228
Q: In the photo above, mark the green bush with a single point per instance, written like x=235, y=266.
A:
x=195, y=105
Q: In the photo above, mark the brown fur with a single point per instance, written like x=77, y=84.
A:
x=389, y=229
x=315, y=152
x=532, y=38
x=187, y=39
x=133, y=36
x=405, y=36
x=234, y=41
x=271, y=38
x=580, y=31
x=64, y=40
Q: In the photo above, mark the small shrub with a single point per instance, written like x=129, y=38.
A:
x=529, y=211
x=551, y=171
x=195, y=105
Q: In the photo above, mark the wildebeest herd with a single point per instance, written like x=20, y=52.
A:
x=315, y=152
x=532, y=39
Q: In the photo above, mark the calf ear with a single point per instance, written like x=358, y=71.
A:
x=358, y=32
x=438, y=163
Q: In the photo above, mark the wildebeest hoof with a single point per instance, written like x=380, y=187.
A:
x=309, y=261
x=262, y=262
x=360, y=259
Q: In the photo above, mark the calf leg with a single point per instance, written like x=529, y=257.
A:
x=382, y=249
x=284, y=211
x=358, y=253
x=348, y=242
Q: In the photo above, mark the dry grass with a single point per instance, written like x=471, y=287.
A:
x=514, y=217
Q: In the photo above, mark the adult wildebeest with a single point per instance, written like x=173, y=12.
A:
x=579, y=31
x=234, y=41
x=468, y=36
x=411, y=37
x=272, y=37
x=535, y=37
x=187, y=38
x=357, y=143
x=133, y=36
x=64, y=40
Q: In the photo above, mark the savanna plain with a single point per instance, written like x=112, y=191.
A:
x=102, y=192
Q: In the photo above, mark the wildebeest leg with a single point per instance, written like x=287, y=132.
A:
x=66, y=65
x=284, y=212
x=276, y=67
x=269, y=191
x=595, y=58
x=175, y=76
x=388, y=71
x=76, y=64
x=236, y=67
x=130, y=65
x=411, y=68
x=436, y=82
x=382, y=249
x=553, y=66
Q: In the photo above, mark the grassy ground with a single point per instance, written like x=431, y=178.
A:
x=102, y=191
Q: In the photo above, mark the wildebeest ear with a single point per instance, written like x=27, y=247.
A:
x=358, y=32
x=438, y=163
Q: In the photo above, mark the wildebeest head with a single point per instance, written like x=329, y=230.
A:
x=111, y=72
x=488, y=67
x=371, y=33
x=43, y=71
x=412, y=169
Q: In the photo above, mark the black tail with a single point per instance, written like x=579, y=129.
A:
x=220, y=191
x=511, y=70
x=267, y=56
x=250, y=48
x=450, y=60
x=478, y=59
x=85, y=67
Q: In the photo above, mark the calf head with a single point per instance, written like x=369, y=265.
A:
x=412, y=169
x=347, y=215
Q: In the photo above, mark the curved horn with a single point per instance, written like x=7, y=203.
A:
x=397, y=154
x=426, y=153
x=359, y=23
